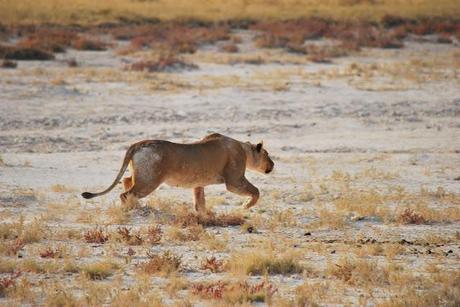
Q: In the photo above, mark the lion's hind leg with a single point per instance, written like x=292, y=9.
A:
x=139, y=189
x=128, y=183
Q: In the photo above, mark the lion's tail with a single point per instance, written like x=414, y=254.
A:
x=128, y=156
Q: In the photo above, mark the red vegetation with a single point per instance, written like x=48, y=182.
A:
x=51, y=253
x=154, y=234
x=211, y=290
x=96, y=236
x=212, y=264
x=51, y=40
x=292, y=34
x=230, y=48
x=24, y=53
x=166, y=263
x=172, y=36
x=8, y=282
x=129, y=238
x=12, y=248
x=165, y=62
x=82, y=43
x=245, y=291
x=409, y=216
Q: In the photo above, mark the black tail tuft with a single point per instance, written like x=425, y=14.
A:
x=87, y=195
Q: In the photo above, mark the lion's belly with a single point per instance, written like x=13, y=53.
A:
x=193, y=180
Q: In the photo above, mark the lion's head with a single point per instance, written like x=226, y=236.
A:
x=259, y=160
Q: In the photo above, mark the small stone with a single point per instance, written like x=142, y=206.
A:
x=131, y=252
x=307, y=234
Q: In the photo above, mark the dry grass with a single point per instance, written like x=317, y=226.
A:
x=310, y=293
x=7, y=265
x=399, y=75
x=10, y=65
x=84, y=43
x=190, y=233
x=33, y=266
x=11, y=248
x=137, y=297
x=127, y=237
x=96, y=235
x=22, y=292
x=292, y=34
x=15, y=235
x=259, y=263
x=60, y=188
x=176, y=283
x=361, y=272
x=230, y=48
x=119, y=214
x=154, y=234
x=24, y=53
x=85, y=11
x=164, y=264
x=48, y=39
x=50, y=252
x=235, y=293
x=59, y=296
x=409, y=216
x=99, y=270
x=212, y=264
x=162, y=63
x=8, y=282
x=173, y=37
x=185, y=217
x=394, y=205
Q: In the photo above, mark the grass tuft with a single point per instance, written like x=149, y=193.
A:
x=409, y=216
x=263, y=263
x=185, y=217
x=235, y=293
x=162, y=63
x=154, y=234
x=164, y=264
x=128, y=238
x=96, y=235
x=99, y=270
x=212, y=264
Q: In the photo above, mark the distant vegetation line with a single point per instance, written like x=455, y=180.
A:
x=85, y=12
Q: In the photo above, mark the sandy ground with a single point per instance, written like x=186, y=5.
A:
x=327, y=135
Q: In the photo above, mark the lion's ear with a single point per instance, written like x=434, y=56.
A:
x=259, y=146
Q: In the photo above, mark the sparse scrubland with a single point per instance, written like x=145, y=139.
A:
x=358, y=103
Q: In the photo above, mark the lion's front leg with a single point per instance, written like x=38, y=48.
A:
x=199, y=200
x=243, y=187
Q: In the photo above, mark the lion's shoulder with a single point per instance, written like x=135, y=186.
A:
x=213, y=136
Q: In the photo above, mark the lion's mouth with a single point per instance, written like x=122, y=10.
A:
x=268, y=171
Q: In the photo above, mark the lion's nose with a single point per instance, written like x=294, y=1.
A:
x=270, y=168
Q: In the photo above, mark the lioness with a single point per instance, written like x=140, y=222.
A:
x=214, y=159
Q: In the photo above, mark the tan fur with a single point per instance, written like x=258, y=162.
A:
x=215, y=159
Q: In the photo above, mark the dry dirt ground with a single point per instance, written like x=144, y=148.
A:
x=363, y=206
